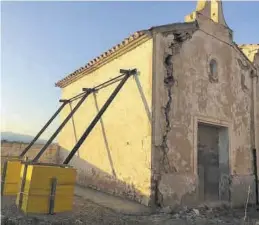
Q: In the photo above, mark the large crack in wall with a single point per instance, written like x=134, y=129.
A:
x=173, y=43
x=165, y=166
x=165, y=162
x=169, y=82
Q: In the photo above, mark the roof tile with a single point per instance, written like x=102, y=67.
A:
x=109, y=52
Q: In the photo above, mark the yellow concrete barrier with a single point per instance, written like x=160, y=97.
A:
x=46, y=188
x=10, y=176
x=5, y=159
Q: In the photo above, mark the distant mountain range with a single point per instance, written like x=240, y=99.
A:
x=10, y=136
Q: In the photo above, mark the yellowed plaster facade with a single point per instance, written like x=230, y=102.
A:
x=116, y=155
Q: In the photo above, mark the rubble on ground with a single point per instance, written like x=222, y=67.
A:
x=86, y=212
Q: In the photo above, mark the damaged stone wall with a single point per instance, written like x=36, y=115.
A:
x=164, y=166
x=191, y=96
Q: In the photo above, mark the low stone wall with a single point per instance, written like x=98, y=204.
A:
x=51, y=155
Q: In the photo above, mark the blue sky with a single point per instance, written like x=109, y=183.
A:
x=44, y=41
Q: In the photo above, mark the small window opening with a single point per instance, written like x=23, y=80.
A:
x=213, y=67
x=213, y=70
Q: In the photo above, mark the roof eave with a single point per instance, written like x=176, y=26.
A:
x=126, y=45
x=85, y=71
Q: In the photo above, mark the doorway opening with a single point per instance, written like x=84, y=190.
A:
x=213, y=163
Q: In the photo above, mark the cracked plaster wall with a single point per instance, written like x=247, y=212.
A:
x=193, y=96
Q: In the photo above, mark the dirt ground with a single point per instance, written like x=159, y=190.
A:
x=88, y=212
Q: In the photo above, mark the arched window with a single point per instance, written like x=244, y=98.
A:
x=213, y=67
x=213, y=70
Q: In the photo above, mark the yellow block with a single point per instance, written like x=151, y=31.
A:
x=10, y=176
x=35, y=197
x=7, y=158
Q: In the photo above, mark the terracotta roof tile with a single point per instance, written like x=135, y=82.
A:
x=104, y=55
x=112, y=51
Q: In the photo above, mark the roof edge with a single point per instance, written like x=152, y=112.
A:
x=126, y=45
